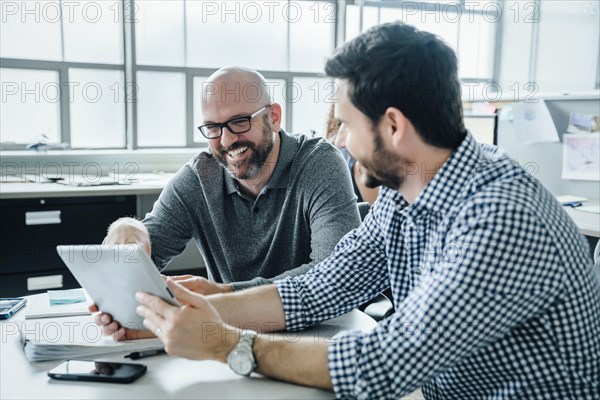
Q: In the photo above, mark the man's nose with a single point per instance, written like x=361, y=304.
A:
x=228, y=138
x=340, y=139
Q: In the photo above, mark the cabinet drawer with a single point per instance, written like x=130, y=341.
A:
x=24, y=284
x=31, y=229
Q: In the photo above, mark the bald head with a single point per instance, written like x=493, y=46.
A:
x=236, y=85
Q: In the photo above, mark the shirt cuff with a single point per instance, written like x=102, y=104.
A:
x=342, y=362
x=293, y=306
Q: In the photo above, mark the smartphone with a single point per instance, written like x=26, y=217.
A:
x=8, y=307
x=97, y=371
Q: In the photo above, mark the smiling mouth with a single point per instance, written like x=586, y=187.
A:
x=237, y=152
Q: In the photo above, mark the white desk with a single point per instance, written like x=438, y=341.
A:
x=29, y=190
x=167, y=377
x=588, y=223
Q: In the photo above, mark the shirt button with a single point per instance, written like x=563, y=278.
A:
x=418, y=271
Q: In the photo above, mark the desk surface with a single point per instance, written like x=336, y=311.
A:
x=588, y=223
x=32, y=190
x=167, y=376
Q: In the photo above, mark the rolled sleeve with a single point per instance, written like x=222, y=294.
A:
x=292, y=304
x=342, y=355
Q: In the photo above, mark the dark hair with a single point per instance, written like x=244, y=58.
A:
x=396, y=65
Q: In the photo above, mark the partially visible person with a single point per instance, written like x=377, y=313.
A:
x=337, y=137
x=261, y=204
x=495, y=290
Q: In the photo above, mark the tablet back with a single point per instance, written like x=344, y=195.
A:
x=112, y=274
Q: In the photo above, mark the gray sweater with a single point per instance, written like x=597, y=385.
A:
x=295, y=222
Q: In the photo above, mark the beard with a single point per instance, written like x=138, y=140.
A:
x=382, y=169
x=249, y=168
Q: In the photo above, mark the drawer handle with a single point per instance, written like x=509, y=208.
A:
x=42, y=217
x=45, y=282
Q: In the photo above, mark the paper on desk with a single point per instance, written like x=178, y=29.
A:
x=533, y=123
x=570, y=199
x=74, y=337
x=81, y=181
x=39, y=307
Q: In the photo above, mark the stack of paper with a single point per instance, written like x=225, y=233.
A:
x=74, y=337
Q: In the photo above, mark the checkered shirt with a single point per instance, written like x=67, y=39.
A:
x=493, y=286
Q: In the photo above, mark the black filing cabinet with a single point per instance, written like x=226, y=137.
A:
x=32, y=228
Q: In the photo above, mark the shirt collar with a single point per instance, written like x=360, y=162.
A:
x=449, y=183
x=287, y=152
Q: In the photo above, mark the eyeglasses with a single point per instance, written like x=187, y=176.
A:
x=236, y=125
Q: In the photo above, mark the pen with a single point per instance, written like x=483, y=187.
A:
x=143, y=354
x=572, y=204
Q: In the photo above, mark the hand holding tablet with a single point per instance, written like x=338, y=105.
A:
x=113, y=274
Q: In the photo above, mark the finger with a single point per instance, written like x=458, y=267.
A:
x=156, y=304
x=184, y=295
x=111, y=328
x=149, y=315
x=153, y=328
x=182, y=277
x=93, y=308
x=119, y=334
x=147, y=248
x=103, y=319
x=193, y=284
x=133, y=334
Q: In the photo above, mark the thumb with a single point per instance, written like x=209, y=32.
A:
x=184, y=295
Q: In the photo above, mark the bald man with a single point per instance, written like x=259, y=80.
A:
x=261, y=205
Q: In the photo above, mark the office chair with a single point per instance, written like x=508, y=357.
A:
x=597, y=260
x=380, y=307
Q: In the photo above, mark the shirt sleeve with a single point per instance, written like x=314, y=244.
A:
x=330, y=205
x=331, y=288
x=497, y=268
x=169, y=222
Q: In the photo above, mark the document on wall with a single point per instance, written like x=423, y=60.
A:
x=73, y=337
x=581, y=156
x=533, y=123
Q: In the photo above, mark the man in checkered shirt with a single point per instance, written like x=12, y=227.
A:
x=493, y=283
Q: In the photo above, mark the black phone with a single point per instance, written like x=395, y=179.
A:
x=97, y=371
x=8, y=307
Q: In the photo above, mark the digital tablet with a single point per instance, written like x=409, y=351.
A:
x=112, y=274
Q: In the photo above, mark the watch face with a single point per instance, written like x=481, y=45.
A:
x=241, y=362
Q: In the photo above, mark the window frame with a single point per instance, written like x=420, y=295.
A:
x=130, y=67
x=496, y=52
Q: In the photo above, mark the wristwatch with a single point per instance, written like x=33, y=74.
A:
x=241, y=358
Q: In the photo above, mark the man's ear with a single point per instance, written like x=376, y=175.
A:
x=396, y=125
x=275, y=116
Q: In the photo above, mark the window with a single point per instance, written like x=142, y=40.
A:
x=63, y=73
x=128, y=73
x=284, y=40
x=30, y=105
x=468, y=27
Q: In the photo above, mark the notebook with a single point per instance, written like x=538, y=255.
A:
x=40, y=307
x=73, y=337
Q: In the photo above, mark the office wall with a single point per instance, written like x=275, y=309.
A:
x=546, y=158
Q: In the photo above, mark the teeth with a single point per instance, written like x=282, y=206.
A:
x=237, y=152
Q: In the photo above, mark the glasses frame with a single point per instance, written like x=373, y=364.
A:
x=225, y=124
